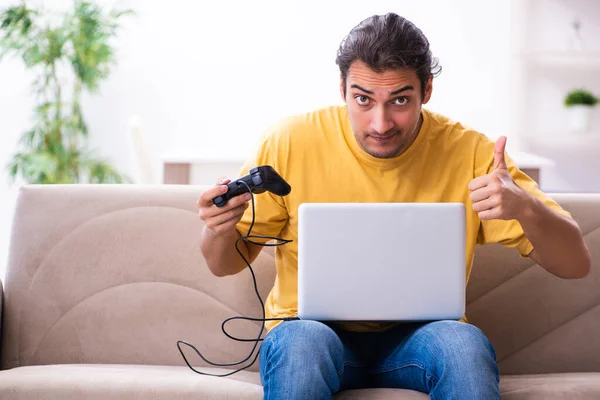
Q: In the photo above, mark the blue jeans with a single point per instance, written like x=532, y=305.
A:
x=312, y=360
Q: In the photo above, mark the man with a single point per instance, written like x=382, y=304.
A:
x=382, y=146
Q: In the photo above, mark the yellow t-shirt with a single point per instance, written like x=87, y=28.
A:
x=318, y=155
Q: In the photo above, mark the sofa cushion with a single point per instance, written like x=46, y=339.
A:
x=103, y=381
x=122, y=278
x=537, y=322
x=380, y=394
x=551, y=386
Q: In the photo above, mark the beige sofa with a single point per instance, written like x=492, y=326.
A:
x=104, y=280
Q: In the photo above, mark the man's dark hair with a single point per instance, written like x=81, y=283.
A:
x=386, y=42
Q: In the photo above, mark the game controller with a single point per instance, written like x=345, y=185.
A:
x=259, y=180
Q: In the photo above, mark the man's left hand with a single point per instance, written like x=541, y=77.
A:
x=496, y=195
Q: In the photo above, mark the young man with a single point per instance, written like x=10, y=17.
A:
x=382, y=146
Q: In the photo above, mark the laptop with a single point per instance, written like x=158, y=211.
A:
x=381, y=261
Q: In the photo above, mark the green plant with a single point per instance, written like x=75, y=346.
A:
x=580, y=96
x=69, y=53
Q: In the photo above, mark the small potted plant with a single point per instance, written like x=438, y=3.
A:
x=580, y=103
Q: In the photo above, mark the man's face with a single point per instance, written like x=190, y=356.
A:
x=384, y=108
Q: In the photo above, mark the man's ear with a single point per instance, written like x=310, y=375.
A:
x=428, y=90
x=342, y=89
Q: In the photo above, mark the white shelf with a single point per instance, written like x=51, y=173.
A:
x=183, y=158
x=588, y=142
x=528, y=160
x=563, y=59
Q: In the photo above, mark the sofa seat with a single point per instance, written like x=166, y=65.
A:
x=108, y=381
x=563, y=386
x=102, y=381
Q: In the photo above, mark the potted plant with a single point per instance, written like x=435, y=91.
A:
x=69, y=53
x=580, y=103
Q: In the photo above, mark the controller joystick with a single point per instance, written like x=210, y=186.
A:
x=259, y=180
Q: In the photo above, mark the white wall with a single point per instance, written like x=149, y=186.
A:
x=208, y=77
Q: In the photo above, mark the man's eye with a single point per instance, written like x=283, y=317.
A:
x=362, y=100
x=401, y=101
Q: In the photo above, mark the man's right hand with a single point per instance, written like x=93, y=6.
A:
x=222, y=220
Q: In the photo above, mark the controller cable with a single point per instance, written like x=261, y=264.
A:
x=248, y=238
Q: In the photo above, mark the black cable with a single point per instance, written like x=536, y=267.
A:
x=248, y=238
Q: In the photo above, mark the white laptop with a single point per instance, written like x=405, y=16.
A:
x=381, y=261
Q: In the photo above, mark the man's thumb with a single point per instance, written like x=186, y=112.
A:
x=499, y=161
x=223, y=180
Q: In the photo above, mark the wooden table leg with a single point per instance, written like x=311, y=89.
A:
x=176, y=173
x=533, y=173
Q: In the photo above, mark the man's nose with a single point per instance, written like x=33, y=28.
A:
x=381, y=122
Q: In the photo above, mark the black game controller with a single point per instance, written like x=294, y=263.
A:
x=259, y=180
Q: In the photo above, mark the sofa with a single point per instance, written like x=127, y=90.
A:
x=103, y=280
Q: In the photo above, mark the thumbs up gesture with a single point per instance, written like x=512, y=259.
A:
x=496, y=195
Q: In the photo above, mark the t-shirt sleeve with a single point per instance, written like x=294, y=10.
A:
x=508, y=233
x=270, y=211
